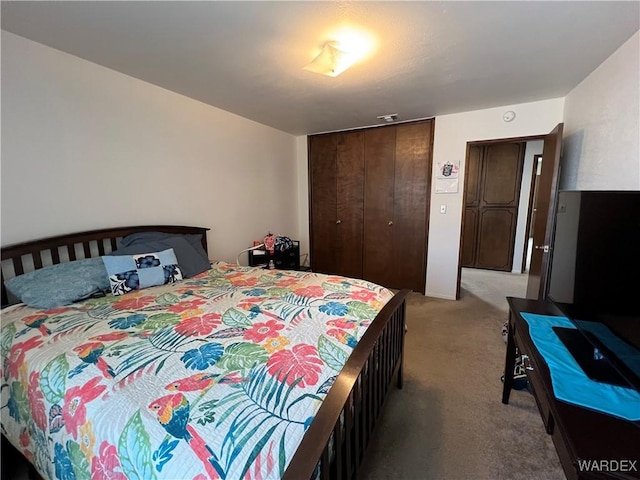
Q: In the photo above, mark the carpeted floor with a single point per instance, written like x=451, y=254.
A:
x=448, y=421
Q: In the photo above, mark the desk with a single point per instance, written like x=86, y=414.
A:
x=581, y=436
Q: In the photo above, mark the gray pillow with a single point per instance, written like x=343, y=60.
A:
x=191, y=260
x=61, y=284
x=194, y=239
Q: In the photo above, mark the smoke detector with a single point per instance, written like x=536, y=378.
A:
x=391, y=117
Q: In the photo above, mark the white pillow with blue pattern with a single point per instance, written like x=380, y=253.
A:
x=135, y=272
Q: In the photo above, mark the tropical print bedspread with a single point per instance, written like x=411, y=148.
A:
x=217, y=376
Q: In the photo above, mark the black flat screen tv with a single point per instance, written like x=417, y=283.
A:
x=595, y=281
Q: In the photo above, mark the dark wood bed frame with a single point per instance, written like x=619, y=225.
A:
x=334, y=445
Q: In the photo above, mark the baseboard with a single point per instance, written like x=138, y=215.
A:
x=443, y=297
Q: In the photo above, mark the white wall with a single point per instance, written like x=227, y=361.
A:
x=86, y=147
x=302, y=166
x=602, y=125
x=452, y=133
x=534, y=147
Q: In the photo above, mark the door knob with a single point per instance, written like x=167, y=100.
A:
x=390, y=222
x=338, y=222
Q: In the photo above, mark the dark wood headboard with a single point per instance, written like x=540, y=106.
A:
x=23, y=257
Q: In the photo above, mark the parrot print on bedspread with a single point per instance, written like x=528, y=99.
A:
x=216, y=376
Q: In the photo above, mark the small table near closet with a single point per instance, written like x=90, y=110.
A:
x=583, y=438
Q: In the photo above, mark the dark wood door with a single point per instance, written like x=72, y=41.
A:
x=323, y=202
x=410, y=206
x=545, y=205
x=493, y=210
x=369, y=203
x=349, y=204
x=336, y=170
x=379, y=145
x=472, y=203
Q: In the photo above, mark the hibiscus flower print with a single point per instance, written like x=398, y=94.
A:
x=312, y=291
x=363, y=295
x=301, y=362
x=186, y=305
x=247, y=282
x=276, y=344
x=133, y=302
x=261, y=331
x=147, y=261
x=106, y=465
x=201, y=325
x=334, y=308
x=287, y=282
x=74, y=411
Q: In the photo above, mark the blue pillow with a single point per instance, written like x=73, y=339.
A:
x=191, y=260
x=135, y=272
x=62, y=284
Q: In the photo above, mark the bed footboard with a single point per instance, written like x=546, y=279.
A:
x=334, y=445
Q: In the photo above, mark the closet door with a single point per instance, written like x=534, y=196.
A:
x=379, y=152
x=412, y=182
x=323, y=202
x=336, y=170
x=349, y=203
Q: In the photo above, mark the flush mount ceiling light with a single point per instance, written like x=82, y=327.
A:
x=331, y=61
x=348, y=45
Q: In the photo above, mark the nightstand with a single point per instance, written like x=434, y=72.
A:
x=287, y=260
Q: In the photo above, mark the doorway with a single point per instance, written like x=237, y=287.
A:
x=510, y=240
x=544, y=205
x=493, y=183
x=500, y=181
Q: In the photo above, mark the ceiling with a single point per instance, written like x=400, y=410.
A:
x=431, y=58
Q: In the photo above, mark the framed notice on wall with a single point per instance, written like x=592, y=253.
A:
x=447, y=177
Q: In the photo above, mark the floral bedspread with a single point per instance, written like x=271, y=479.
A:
x=217, y=376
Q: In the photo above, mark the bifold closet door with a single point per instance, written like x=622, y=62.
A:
x=323, y=202
x=379, y=152
x=412, y=187
x=337, y=196
x=397, y=186
x=350, y=203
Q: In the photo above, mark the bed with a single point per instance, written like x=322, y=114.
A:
x=236, y=372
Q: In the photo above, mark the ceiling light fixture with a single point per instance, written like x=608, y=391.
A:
x=331, y=61
x=349, y=45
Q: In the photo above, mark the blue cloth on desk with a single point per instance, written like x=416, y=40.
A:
x=570, y=383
